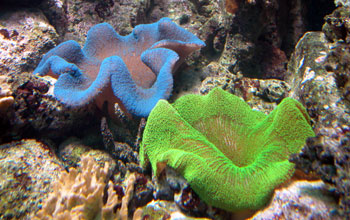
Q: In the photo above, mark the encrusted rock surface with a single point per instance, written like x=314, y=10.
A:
x=28, y=168
x=337, y=25
x=73, y=149
x=160, y=209
x=35, y=111
x=24, y=36
x=255, y=42
x=260, y=94
x=81, y=15
x=319, y=73
x=314, y=84
x=6, y=98
x=259, y=44
x=342, y=3
x=300, y=200
x=174, y=189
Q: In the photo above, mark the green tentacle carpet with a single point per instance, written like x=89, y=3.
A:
x=232, y=156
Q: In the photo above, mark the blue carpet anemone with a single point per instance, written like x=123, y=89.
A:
x=134, y=71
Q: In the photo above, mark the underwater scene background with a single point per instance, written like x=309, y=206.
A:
x=174, y=109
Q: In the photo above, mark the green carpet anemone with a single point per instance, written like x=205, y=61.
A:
x=232, y=156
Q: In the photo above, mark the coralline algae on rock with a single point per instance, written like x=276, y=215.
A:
x=27, y=170
x=317, y=67
x=300, y=200
x=36, y=112
x=23, y=36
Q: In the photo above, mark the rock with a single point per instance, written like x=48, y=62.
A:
x=82, y=15
x=143, y=192
x=300, y=200
x=259, y=47
x=272, y=90
x=160, y=209
x=28, y=168
x=35, y=111
x=73, y=149
x=6, y=98
x=342, y=3
x=314, y=84
x=251, y=46
x=319, y=72
x=172, y=190
x=55, y=11
x=260, y=94
x=125, y=155
x=24, y=36
x=337, y=26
